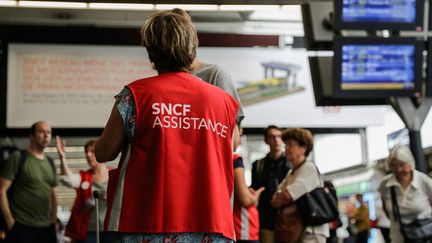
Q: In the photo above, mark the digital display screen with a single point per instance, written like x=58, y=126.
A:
x=380, y=11
x=378, y=67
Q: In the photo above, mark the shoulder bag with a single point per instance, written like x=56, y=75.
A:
x=288, y=225
x=319, y=206
x=420, y=230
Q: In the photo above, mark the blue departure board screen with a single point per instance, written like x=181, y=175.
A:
x=384, y=11
x=378, y=67
x=379, y=14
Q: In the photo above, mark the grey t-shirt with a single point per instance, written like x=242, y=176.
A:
x=218, y=77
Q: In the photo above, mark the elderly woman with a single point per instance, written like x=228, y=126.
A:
x=302, y=178
x=413, y=191
x=175, y=177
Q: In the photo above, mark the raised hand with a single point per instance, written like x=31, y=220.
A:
x=60, y=145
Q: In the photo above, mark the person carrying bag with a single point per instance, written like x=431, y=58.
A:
x=418, y=231
x=406, y=195
x=320, y=205
x=301, y=180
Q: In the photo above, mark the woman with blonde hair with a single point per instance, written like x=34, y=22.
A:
x=413, y=191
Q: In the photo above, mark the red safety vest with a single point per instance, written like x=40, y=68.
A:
x=246, y=220
x=78, y=222
x=177, y=174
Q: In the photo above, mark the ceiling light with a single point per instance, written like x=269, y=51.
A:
x=121, y=6
x=285, y=13
x=41, y=4
x=275, y=15
x=188, y=7
x=8, y=3
x=248, y=7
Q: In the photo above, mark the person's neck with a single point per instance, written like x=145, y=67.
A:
x=196, y=65
x=297, y=163
x=36, y=151
x=98, y=168
x=405, y=182
x=275, y=155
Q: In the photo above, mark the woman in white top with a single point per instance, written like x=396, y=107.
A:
x=413, y=191
x=302, y=178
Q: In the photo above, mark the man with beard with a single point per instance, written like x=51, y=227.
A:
x=30, y=209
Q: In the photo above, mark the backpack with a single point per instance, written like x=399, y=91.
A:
x=21, y=162
x=260, y=169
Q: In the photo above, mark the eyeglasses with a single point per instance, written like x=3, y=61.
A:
x=271, y=137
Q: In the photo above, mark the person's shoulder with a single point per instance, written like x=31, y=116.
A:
x=422, y=177
x=211, y=70
x=384, y=182
x=309, y=166
x=15, y=155
x=210, y=67
x=260, y=159
x=237, y=156
x=238, y=161
x=143, y=81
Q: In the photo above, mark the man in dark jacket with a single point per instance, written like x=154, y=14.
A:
x=268, y=172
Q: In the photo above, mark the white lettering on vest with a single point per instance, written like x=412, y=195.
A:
x=171, y=109
x=175, y=116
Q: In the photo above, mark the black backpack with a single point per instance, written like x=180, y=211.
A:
x=21, y=162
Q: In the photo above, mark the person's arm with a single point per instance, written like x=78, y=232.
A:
x=4, y=203
x=235, y=136
x=384, y=207
x=68, y=178
x=305, y=181
x=112, y=140
x=60, y=145
x=53, y=206
x=254, y=183
x=382, y=190
x=247, y=197
x=281, y=198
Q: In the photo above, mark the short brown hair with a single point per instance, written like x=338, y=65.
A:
x=90, y=143
x=171, y=41
x=302, y=136
x=267, y=129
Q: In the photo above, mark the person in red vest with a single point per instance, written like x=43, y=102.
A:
x=82, y=222
x=175, y=177
x=246, y=217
